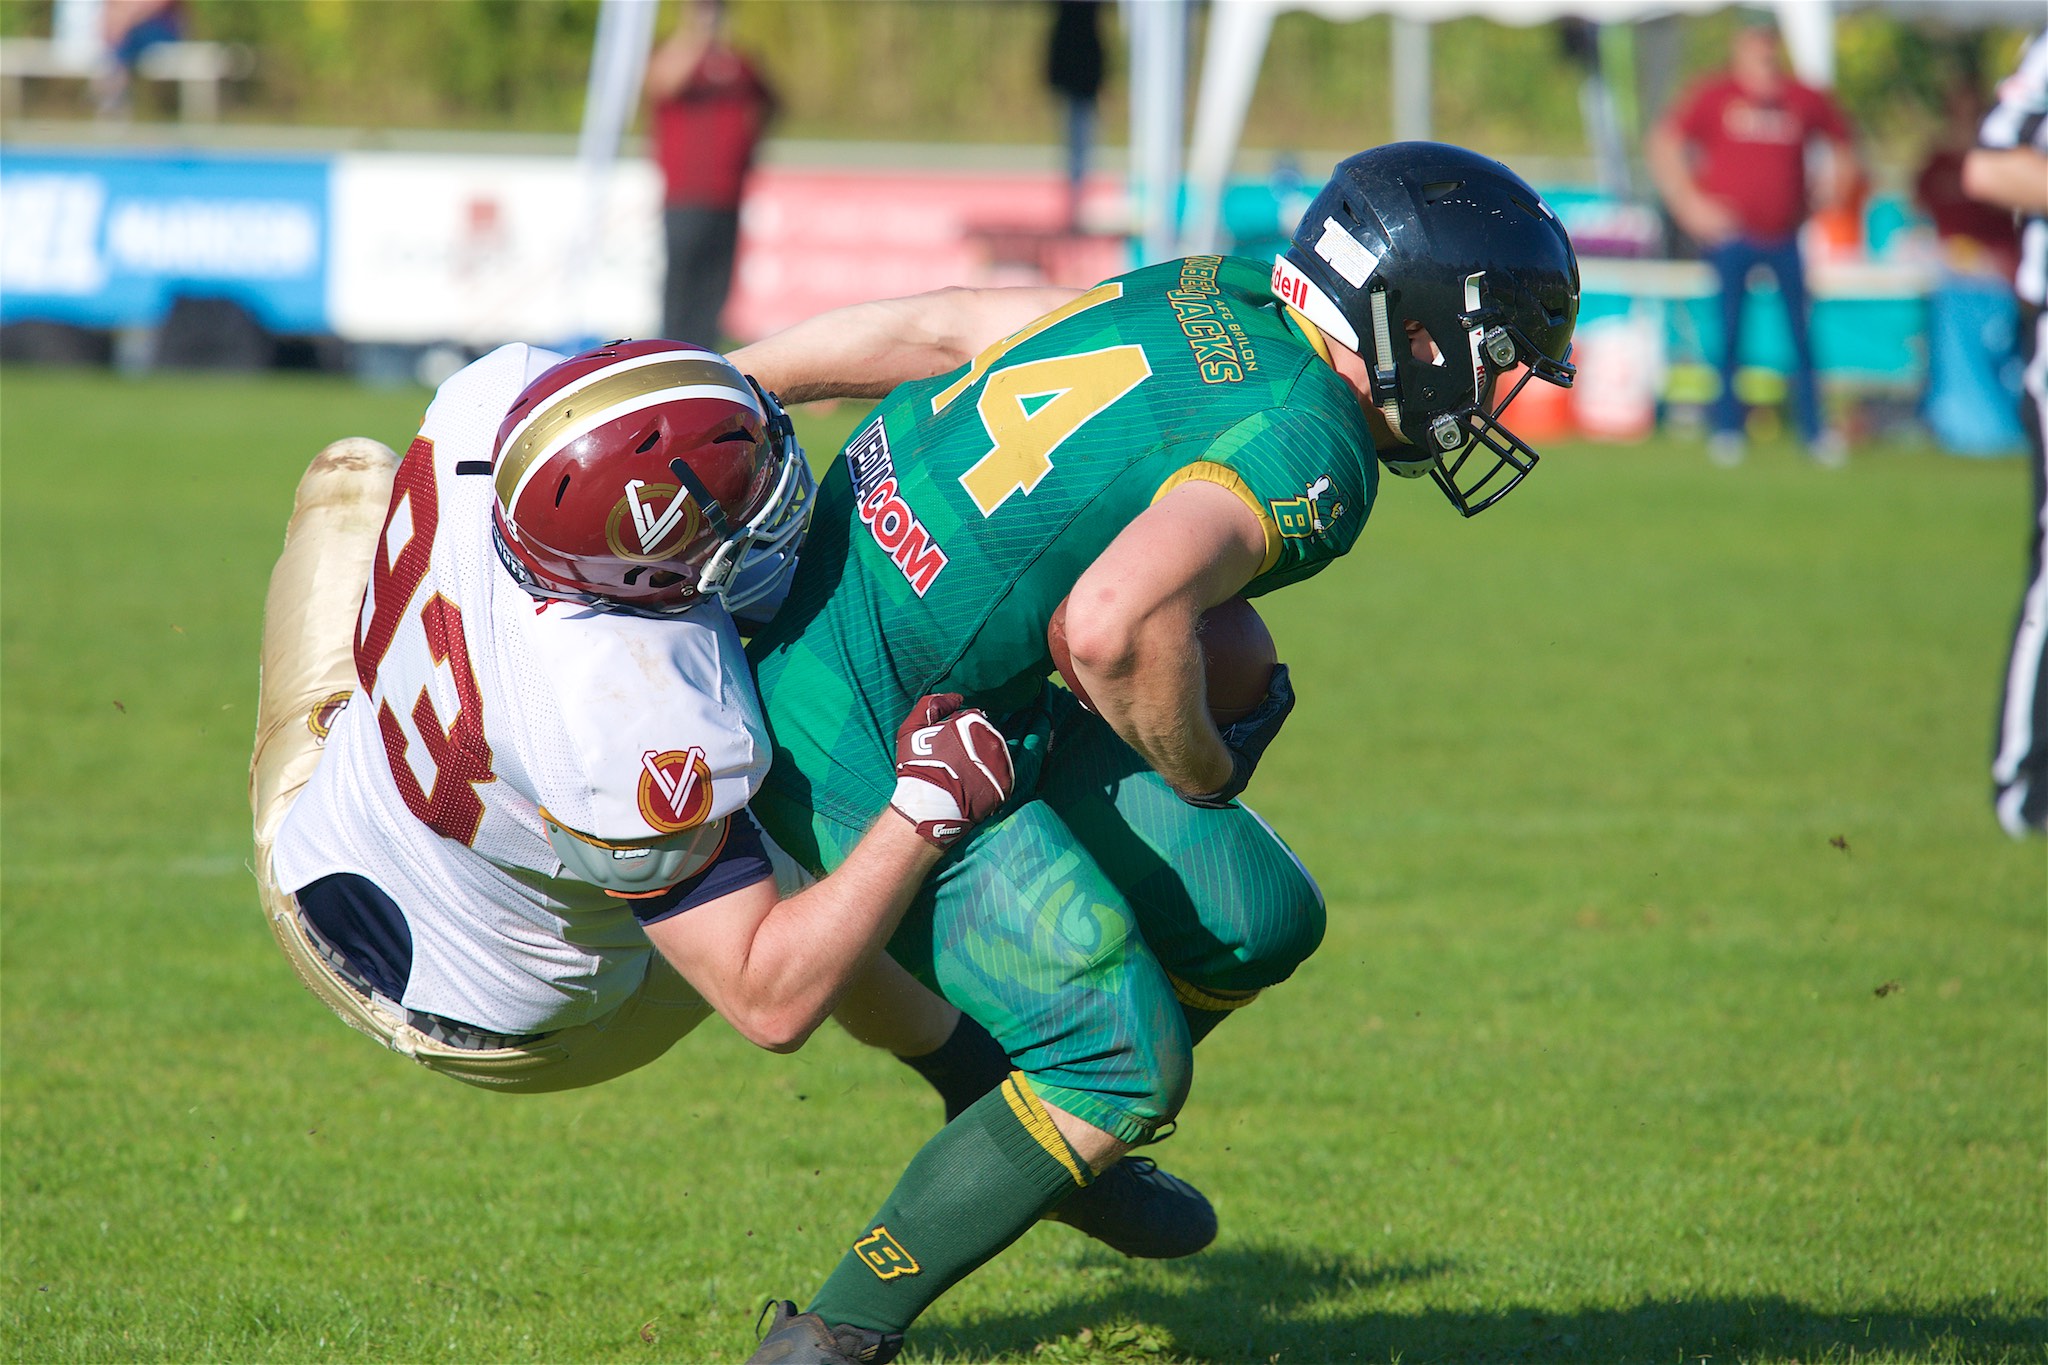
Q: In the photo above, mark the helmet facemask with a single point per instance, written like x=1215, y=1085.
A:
x=1440, y=240
x=683, y=480
x=1448, y=446
x=751, y=569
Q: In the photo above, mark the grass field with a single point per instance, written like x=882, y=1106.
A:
x=1681, y=1001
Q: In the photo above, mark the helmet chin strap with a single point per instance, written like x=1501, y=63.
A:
x=1385, y=383
x=714, y=515
x=1475, y=287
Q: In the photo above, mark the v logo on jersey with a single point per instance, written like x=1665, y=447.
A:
x=675, y=788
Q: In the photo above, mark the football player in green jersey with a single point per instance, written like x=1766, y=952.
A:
x=1172, y=438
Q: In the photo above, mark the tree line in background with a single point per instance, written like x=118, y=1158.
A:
x=972, y=70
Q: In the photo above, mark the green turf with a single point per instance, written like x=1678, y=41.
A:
x=1681, y=1001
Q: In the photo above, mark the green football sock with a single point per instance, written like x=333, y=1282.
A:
x=968, y=1065
x=968, y=1193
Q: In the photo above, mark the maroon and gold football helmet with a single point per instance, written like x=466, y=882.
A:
x=645, y=476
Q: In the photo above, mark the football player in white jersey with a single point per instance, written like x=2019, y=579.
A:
x=507, y=734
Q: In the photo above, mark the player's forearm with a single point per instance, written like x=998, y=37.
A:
x=2011, y=177
x=857, y=352
x=812, y=944
x=1131, y=623
x=1151, y=690
x=866, y=350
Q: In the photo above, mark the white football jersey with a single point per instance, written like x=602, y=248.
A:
x=479, y=714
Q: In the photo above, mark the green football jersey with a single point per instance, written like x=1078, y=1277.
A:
x=962, y=513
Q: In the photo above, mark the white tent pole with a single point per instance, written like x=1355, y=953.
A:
x=1809, y=29
x=1159, y=55
x=1411, y=78
x=1238, y=30
x=618, y=64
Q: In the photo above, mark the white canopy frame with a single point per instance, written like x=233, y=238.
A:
x=1239, y=30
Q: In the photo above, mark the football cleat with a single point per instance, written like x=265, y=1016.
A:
x=1140, y=1210
x=795, y=1338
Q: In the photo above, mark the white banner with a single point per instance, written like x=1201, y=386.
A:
x=479, y=250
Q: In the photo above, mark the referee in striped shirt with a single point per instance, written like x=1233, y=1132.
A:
x=2009, y=166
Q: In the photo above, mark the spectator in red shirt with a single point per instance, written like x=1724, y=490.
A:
x=1730, y=161
x=709, y=107
x=1975, y=237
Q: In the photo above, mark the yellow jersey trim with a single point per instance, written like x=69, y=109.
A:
x=1313, y=335
x=1030, y=1111
x=1194, y=997
x=1222, y=475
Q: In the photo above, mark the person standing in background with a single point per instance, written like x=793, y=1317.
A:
x=1073, y=67
x=708, y=108
x=1729, y=160
x=2010, y=167
x=1976, y=237
x=131, y=28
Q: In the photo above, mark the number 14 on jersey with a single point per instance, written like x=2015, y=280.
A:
x=1030, y=408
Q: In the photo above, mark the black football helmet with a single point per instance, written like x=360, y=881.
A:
x=1427, y=233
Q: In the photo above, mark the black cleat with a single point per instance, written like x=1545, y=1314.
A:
x=795, y=1338
x=1140, y=1210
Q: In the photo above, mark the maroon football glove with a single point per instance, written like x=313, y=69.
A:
x=952, y=768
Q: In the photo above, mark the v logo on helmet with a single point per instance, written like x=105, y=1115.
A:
x=656, y=535
x=651, y=527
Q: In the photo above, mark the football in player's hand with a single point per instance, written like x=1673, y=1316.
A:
x=1236, y=647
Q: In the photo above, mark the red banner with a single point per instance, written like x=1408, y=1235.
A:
x=812, y=240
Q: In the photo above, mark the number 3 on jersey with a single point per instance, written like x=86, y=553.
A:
x=460, y=754
x=1030, y=408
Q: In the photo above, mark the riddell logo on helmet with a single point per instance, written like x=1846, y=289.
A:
x=1290, y=285
x=656, y=535
x=675, y=789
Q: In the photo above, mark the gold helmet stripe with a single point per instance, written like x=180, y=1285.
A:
x=608, y=395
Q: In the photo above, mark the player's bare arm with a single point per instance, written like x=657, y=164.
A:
x=774, y=966
x=2013, y=177
x=1131, y=626
x=865, y=350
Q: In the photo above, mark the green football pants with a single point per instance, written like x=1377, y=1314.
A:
x=1097, y=927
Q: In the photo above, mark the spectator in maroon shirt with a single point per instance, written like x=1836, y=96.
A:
x=1976, y=237
x=1730, y=161
x=709, y=107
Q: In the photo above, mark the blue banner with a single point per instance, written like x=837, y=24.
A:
x=111, y=240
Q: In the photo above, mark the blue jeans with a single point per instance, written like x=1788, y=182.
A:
x=1732, y=261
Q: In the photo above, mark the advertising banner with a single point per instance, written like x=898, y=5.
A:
x=479, y=250
x=813, y=239
x=110, y=240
